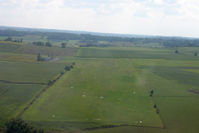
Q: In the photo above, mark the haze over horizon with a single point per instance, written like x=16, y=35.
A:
x=144, y=17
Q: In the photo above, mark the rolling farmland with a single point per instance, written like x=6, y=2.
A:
x=106, y=91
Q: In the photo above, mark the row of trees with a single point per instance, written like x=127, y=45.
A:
x=66, y=68
x=155, y=106
x=48, y=44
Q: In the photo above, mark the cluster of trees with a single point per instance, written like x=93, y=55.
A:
x=20, y=126
x=68, y=68
x=14, y=40
x=48, y=44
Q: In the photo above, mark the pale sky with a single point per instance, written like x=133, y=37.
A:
x=147, y=17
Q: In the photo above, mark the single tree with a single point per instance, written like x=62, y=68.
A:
x=195, y=54
x=48, y=44
x=176, y=51
x=63, y=45
x=21, y=40
x=155, y=106
x=157, y=111
x=67, y=68
x=50, y=82
x=151, y=93
x=39, y=57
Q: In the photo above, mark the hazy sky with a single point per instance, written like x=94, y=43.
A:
x=153, y=17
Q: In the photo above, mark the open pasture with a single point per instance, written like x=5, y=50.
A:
x=110, y=87
x=175, y=85
x=102, y=83
x=97, y=93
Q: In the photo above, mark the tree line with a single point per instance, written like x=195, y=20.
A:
x=87, y=38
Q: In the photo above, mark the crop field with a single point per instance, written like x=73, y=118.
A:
x=20, y=48
x=139, y=52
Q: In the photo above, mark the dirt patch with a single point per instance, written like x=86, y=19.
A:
x=194, y=91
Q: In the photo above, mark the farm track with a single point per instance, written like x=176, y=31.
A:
x=122, y=125
x=39, y=94
x=176, y=96
x=13, y=82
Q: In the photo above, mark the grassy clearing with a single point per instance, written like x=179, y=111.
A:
x=100, y=92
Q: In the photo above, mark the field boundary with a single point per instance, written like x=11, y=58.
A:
x=121, y=125
x=13, y=82
x=41, y=92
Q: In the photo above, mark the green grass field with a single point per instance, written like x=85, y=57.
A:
x=123, y=77
x=107, y=86
x=105, y=92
